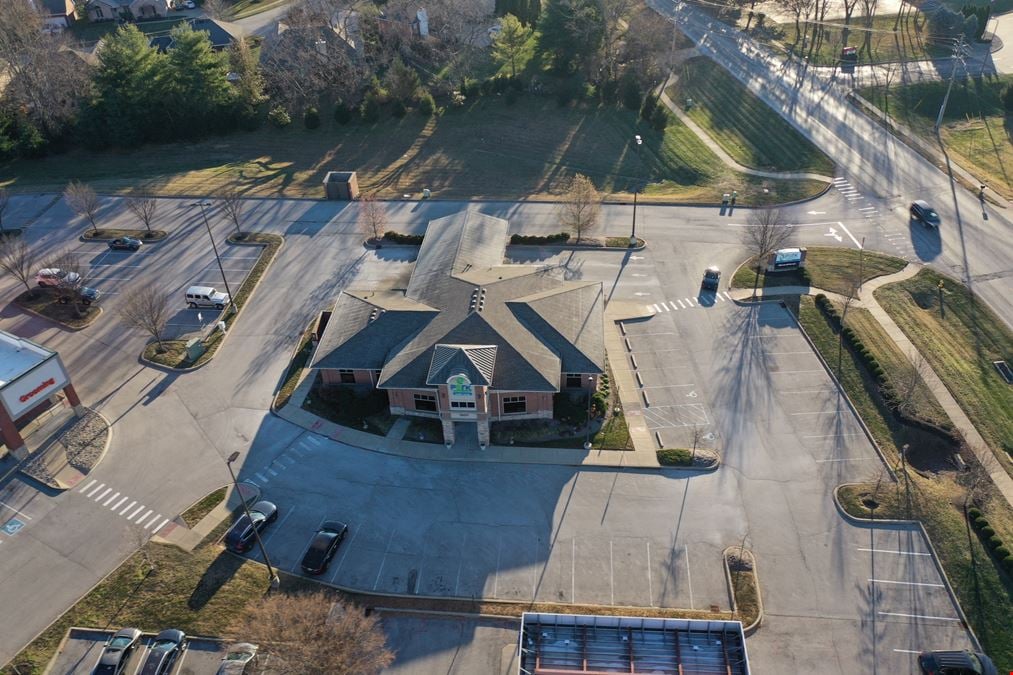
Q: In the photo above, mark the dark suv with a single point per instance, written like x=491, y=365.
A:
x=711, y=278
x=925, y=214
x=956, y=663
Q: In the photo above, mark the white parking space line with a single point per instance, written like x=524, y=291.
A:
x=270, y=535
x=808, y=391
x=794, y=372
x=128, y=507
x=885, y=550
x=907, y=651
x=460, y=563
x=818, y=412
x=90, y=483
x=689, y=578
x=612, y=575
x=117, y=504
x=573, y=568
x=271, y=471
x=850, y=459
x=20, y=513
x=262, y=478
x=905, y=583
x=668, y=386
x=650, y=585
x=110, y=500
x=383, y=560
x=312, y=439
x=920, y=616
x=856, y=433
x=808, y=351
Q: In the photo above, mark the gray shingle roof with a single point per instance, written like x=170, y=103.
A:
x=513, y=327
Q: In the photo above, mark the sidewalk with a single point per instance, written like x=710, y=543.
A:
x=867, y=300
x=643, y=454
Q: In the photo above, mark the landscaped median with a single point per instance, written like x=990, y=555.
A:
x=831, y=268
x=105, y=234
x=45, y=302
x=173, y=352
x=562, y=240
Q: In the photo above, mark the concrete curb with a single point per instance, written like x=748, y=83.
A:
x=751, y=628
x=554, y=247
x=867, y=522
x=72, y=329
x=238, y=314
x=446, y=614
x=140, y=235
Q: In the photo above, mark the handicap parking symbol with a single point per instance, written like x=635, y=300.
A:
x=12, y=526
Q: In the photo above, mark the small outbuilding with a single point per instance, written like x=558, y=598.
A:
x=341, y=186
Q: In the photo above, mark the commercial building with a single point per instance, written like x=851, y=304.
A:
x=31, y=381
x=471, y=340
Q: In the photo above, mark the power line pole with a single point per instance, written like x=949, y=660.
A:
x=958, y=53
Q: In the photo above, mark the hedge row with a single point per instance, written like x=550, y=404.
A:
x=991, y=540
x=885, y=386
x=398, y=238
x=533, y=239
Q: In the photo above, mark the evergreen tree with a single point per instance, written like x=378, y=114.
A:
x=571, y=32
x=511, y=40
x=200, y=96
x=250, y=85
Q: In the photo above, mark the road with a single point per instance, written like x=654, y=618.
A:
x=975, y=243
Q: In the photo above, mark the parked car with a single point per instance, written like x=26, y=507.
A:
x=711, y=278
x=922, y=212
x=239, y=538
x=117, y=651
x=240, y=657
x=323, y=546
x=124, y=244
x=52, y=277
x=206, y=296
x=956, y=663
x=86, y=296
x=190, y=4
x=164, y=651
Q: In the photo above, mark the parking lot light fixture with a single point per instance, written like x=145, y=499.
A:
x=275, y=581
x=633, y=234
x=214, y=247
x=587, y=424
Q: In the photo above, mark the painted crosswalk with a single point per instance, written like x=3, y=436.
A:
x=688, y=303
x=123, y=506
x=854, y=196
x=306, y=446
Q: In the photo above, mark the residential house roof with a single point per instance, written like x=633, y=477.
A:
x=222, y=34
x=511, y=327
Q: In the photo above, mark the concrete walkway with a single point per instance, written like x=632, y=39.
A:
x=713, y=145
x=866, y=299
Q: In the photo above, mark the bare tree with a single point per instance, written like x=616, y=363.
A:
x=72, y=276
x=5, y=200
x=977, y=478
x=147, y=309
x=18, y=260
x=82, y=200
x=143, y=209
x=223, y=11
x=310, y=634
x=696, y=436
x=581, y=206
x=372, y=216
x=615, y=24
x=767, y=231
x=647, y=44
x=232, y=203
x=909, y=383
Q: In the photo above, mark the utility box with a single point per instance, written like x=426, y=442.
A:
x=194, y=349
x=341, y=186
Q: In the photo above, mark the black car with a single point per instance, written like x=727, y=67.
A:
x=124, y=244
x=239, y=538
x=956, y=663
x=922, y=212
x=322, y=547
x=86, y=296
x=117, y=652
x=164, y=651
x=711, y=278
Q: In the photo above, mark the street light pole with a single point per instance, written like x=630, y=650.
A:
x=214, y=247
x=633, y=232
x=587, y=424
x=275, y=581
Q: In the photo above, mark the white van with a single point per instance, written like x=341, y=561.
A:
x=205, y=296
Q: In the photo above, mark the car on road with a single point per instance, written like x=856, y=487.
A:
x=117, y=651
x=323, y=546
x=164, y=652
x=711, y=278
x=53, y=276
x=925, y=214
x=239, y=660
x=124, y=244
x=956, y=663
x=239, y=538
x=86, y=295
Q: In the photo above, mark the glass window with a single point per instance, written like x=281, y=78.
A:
x=425, y=402
x=347, y=376
x=462, y=404
x=515, y=404
x=573, y=381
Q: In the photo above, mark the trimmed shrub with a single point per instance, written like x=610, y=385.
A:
x=631, y=93
x=279, y=117
x=533, y=239
x=311, y=118
x=659, y=119
x=398, y=238
x=994, y=542
x=973, y=513
x=342, y=113
x=981, y=522
x=675, y=457
x=1007, y=98
x=599, y=404
x=647, y=109
x=370, y=108
x=1001, y=552
x=427, y=105
x=821, y=299
x=398, y=109
x=1008, y=563
x=986, y=531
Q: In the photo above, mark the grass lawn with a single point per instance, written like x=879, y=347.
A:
x=960, y=347
x=291, y=380
x=744, y=586
x=486, y=149
x=747, y=128
x=193, y=515
x=984, y=592
x=910, y=42
x=675, y=457
x=44, y=302
x=199, y=593
x=975, y=129
x=245, y=8
x=827, y=267
x=614, y=434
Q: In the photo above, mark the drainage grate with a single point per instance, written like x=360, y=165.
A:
x=1004, y=370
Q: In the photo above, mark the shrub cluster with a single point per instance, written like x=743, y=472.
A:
x=533, y=239
x=398, y=238
x=675, y=457
x=990, y=539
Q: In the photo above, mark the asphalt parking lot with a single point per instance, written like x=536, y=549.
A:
x=430, y=645
x=83, y=647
